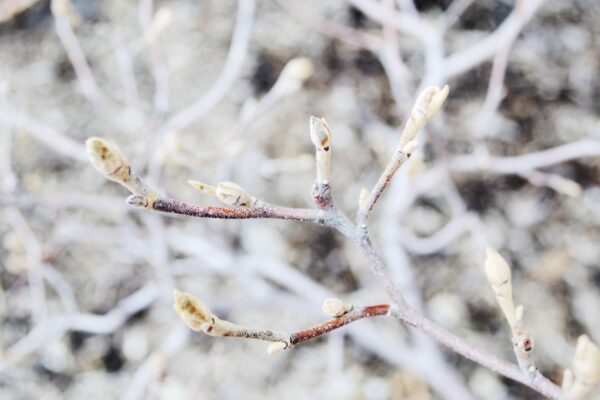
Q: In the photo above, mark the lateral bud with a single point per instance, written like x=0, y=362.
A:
x=234, y=195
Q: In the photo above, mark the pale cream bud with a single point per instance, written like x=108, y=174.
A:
x=195, y=314
x=335, y=307
x=108, y=160
x=233, y=194
x=363, y=196
x=320, y=133
x=586, y=364
x=519, y=313
x=410, y=147
x=426, y=105
x=497, y=270
x=137, y=200
x=276, y=347
x=498, y=275
x=579, y=382
x=203, y=187
x=299, y=69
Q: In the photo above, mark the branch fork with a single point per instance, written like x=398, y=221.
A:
x=109, y=161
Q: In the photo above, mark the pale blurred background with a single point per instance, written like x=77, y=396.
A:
x=187, y=89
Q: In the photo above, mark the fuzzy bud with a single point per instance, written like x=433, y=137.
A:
x=587, y=360
x=298, y=69
x=335, y=307
x=319, y=133
x=195, y=314
x=276, y=347
x=203, y=187
x=137, y=200
x=579, y=382
x=498, y=275
x=497, y=270
x=233, y=194
x=426, y=105
x=362, y=197
x=410, y=147
x=108, y=160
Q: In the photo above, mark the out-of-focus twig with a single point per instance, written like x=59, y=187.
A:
x=232, y=68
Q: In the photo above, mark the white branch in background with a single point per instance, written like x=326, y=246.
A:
x=527, y=162
x=51, y=138
x=65, y=17
x=469, y=58
x=581, y=381
x=231, y=70
x=153, y=27
x=498, y=275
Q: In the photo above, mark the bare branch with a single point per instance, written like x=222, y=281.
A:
x=424, y=108
x=198, y=317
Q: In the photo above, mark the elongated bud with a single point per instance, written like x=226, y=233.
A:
x=426, y=105
x=276, y=347
x=498, y=275
x=363, y=196
x=203, y=187
x=319, y=133
x=234, y=195
x=581, y=381
x=112, y=164
x=335, y=307
x=195, y=314
x=586, y=364
x=108, y=160
x=497, y=270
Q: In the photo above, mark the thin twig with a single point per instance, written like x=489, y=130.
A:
x=200, y=318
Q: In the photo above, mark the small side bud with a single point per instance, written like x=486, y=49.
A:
x=410, y=147
x=335, y=307
x=276, y=347
x=108, y=159
x=203, y=187
x=234, y=195
x=137, y=200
